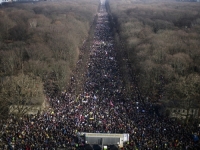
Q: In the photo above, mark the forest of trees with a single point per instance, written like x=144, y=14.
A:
x=161, y=41
x=40, y=45
x=39, y=48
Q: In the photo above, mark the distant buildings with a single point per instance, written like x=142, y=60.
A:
x=5, y=1
x=188, y=0
x=10, y=1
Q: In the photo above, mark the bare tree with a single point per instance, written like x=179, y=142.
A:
x=21, y=92
x=189, y=87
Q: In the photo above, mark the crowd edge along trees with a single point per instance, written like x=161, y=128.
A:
x=40, y=43
x=161, y=42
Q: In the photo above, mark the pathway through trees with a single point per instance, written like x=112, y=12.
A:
x=102, y=107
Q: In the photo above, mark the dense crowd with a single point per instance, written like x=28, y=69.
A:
x=102, y=108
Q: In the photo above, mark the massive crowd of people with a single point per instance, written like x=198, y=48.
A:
x=102, y=108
